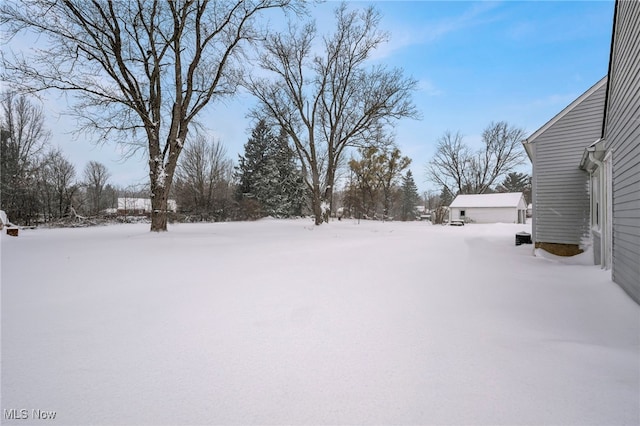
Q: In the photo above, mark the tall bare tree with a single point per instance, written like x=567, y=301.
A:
x=95, y=177
x=58, y=186
x=458, y=168
x=141, y=71
x=23, y=138
x=329, y=101
x=203, y=169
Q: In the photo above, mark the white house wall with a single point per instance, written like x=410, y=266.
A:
x=487, y=214
x=561, y=207
x=622, y=136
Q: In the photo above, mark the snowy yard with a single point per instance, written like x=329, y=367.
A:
x=279, y=322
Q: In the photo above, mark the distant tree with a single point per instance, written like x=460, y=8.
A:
x=95, y=179
x=365, y=184
x=57, y=184
x=446, y=197
x=253, y=160
x=456, y=166
x=269, y=180
x=291, y=183
x=110, y=196
x=517, y=182
x=23, y=139
x=410, y=197
x=202, y=179
x=375, y=177
x=327, y=99
x=392, y=164
x=141, y=71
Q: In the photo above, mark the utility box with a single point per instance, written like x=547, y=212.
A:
x=523, y=238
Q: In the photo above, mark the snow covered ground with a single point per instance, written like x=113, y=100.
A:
x=281, y=322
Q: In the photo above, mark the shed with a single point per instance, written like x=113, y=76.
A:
x=509, y=207
x=140, y=206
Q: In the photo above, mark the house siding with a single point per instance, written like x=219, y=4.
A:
x=487, y=214
x=622, y=136
x=561, y=208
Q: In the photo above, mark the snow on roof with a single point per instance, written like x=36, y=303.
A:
x=507, y=199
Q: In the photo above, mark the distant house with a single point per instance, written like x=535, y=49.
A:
x=586, y=162
x=140, y=206
x=509, y=207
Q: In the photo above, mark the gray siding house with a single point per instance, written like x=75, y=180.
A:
x=560, y=190
x=621, y=163
x=604, y=182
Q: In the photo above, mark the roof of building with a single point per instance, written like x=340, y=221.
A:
x=561, y=114
x=506, y=199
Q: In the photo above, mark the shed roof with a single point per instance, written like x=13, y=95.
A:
x=506, y=199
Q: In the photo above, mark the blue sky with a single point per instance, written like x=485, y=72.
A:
x=477, y=62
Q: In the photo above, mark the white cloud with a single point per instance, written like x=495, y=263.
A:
x=431, y=31
x=429, y=88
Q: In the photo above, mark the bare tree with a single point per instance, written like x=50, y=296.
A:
x=141, y=71
x=392, y=166
x=203, y=169
x=58, y=184
x=460, y=170
x=95, y=176
x=375, y=177
x=450, y=163
x=329, y=101
x=23, y=137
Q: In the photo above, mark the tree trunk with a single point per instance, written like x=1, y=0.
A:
x=316, y=203
x=159, y=195
x=158, y=211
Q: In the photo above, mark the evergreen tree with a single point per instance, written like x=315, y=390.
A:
x=410, y=197
x=517, y=182
x=446, y=197
x=291, y=183
x=251, y=163
x=268, y=175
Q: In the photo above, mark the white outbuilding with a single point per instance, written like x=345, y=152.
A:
x=509, y=207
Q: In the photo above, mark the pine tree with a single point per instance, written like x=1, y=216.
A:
x=250, y=165
x=514, y=182
x=410, y=197
x=268, y=175
x=291, y=184
x=517, y=182
x=446, y=197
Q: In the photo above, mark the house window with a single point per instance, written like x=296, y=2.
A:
x=462, y=213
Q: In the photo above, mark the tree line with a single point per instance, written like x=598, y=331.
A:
x=143, y=72
x=40, y=185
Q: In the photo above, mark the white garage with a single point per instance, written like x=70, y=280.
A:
x=509, y=207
